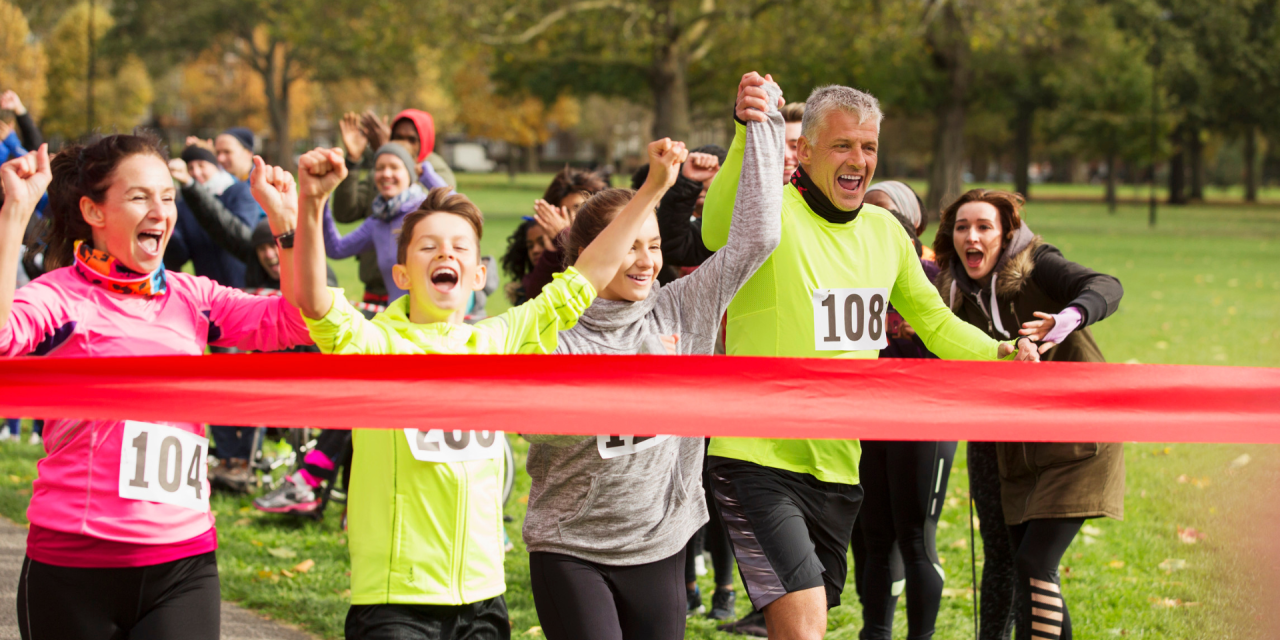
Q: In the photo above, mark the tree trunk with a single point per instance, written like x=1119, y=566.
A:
x=980, y=166
x=1195, y=158
x=1111, y=183
x=274, y=69
x=950, y=52
x=670, y=93
x=531, y=158
x=1023, y=122
x=1177, y=166
x=1251, y=165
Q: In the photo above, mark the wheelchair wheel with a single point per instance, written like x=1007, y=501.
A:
x=508, y=470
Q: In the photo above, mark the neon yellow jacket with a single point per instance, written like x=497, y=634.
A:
x=772, y=315
x=428, y=532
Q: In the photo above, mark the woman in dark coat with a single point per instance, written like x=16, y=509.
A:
x=1002, y=278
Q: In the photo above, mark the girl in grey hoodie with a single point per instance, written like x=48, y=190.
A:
x=609, y=515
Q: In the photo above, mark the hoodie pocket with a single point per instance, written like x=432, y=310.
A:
x=585, y=507
x=1050, y=454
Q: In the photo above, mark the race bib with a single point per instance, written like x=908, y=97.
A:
x=440, y=445
x=849, y=319
x=618, y=446
x=164, y=464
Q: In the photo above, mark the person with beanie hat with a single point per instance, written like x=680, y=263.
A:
x=235, y=151
x=397, y=194
x=900, y=198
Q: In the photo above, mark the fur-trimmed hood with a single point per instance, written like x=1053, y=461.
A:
x=1011, y=277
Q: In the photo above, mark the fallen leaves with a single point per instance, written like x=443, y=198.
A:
x=1190, y=535
x=304, y=566
x=1116, y=564
x=958, y=594
x=1173, y=564
x=282, y=552
x=1198, y=483
x=1171, y=603
x=959, y=544
x=1239, y=463
x=534, y=631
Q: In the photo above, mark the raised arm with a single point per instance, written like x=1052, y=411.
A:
x=600, y=260
x=25, y=180
x=338, y=246
x=319, y=171
x=681, y=238
x=227, y=229
x=752, y=105
x=277, y=194
x=702, y=297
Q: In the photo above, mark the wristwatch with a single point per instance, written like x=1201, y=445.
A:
x=285, y=240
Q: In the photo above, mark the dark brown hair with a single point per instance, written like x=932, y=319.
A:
x=593, y=216
x=86, y=171
x=571, y=180
x=439, y=200
x=1008, y=204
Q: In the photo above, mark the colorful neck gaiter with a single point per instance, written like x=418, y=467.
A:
x=105, y=271
x=818, y=201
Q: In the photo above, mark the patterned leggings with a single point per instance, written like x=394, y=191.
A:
x=999, y=575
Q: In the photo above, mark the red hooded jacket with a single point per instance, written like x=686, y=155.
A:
x=426, y=130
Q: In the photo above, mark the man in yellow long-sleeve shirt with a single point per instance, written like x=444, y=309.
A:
x=789, y=505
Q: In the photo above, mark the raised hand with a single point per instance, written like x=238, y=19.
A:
x=665, y=158
x=353, y=137
x=276, y=193
x=753, y=101
x=701, y=167
x=178, y=169
x=375, y=129
x=319, y=172
x=671, y=343
x=10, y=100
x=551, y=218
x=193, y=141
x=25, y=180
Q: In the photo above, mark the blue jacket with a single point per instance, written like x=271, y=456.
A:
x=191, y=242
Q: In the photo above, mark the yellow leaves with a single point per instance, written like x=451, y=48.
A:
x=959, y=544
x=24, y=59
x=1116, y=564
x=1239, y=463
x=282, y=552
x=1170, y=603
x=122, y=93
x=298, y=569
x=304, y=566
x=1198, y=483
x=535, y=632
x=522, y=120
x=959, y=594
x=1169, y=565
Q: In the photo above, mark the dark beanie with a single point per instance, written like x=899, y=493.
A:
x=198, y=153
x=713, y=149
x=262, y=235
x=242, y=134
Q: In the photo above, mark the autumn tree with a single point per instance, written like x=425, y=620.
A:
x=640, y=50
x=22, y=61
x=122, y=88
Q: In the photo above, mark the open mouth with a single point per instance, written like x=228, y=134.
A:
x=849, y=182
x=150, y=241
x=444, y=279
x=973, y=258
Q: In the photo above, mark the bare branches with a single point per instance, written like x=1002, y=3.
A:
x=553, y=17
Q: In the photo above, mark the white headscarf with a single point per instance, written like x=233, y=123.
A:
x=903, y=197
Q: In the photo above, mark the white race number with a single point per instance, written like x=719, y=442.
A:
x=618, y=446
x=849, y=319
x=164, y=464
x=449, y=445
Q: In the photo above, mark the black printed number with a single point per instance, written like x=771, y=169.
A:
x=617, y=441
x=859, y=316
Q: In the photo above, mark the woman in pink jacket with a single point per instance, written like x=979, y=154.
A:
x=122, y=540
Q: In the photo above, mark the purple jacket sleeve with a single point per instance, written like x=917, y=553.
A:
x=337, y=247
x=430, y=179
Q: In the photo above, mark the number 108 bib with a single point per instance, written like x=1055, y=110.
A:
x=850, y=319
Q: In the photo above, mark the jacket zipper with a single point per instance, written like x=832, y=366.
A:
x=460, y=535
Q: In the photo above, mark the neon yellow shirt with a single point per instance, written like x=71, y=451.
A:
x=773, y=314
x=431, y=532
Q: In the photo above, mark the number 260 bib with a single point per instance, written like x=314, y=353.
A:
x=164, y=464
x=849, y=319
x=448, y=445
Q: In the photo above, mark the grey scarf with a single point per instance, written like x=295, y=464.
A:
x=385, y=210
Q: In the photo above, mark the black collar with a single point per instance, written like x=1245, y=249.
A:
x=818, y=201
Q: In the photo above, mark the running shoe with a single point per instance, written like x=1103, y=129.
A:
x=695, y=602
x=722, y=602
x=751, y=624
x=293, y=495
x=35, y=439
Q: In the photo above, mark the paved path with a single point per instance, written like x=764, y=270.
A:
x=237, y=623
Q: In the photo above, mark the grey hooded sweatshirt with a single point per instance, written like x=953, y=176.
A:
x=641, y=508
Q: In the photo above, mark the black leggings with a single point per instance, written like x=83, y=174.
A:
x=1042, y=608
x=178, y=599
x=905, y=485
x=580, y=599
x=998, y=574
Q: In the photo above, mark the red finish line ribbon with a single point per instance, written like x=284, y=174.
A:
x=690, y=396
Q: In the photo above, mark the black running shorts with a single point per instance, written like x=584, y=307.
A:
x=790, y=531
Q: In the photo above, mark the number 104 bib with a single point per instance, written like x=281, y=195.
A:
x=164, y=464
x=850, y=319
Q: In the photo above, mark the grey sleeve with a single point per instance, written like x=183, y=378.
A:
x=701, y=298
x=554, y=440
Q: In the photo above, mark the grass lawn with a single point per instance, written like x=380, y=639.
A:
x=1201, y=288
